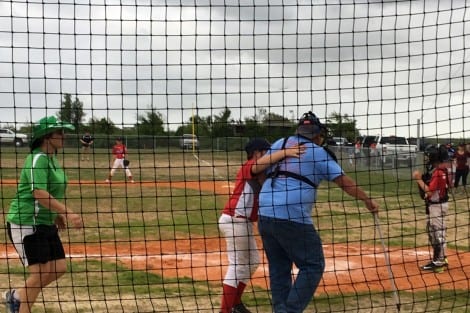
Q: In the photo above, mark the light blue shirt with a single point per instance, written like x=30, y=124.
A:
x=289, y=198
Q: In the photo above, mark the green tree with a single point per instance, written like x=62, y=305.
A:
x=342, y=126
x=65, y=113
x=277, y=126
x=202, y=126
x=71, y=111
x=102, y=126
x=252, y=128
x=77, y=113
x=223, y=125
x=150, y=124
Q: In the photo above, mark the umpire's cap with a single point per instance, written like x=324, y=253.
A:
x=47, y=125
x=309, y=124
x=257, y=144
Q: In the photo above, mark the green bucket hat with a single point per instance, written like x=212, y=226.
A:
x=47, y=125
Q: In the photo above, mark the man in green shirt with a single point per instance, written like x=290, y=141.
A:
x=37, y=213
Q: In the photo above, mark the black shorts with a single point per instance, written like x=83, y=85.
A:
x=36, y=244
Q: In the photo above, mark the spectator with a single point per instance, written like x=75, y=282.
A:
x=373, y=154
x=450, y=163
x=357, y=151
x=461, y=166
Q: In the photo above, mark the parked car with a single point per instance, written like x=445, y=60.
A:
x=10, y=137
x=189, y=141
x=341, y=141
x=391, y=149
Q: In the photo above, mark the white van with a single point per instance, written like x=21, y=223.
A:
x=189, y=141
x=341, y=141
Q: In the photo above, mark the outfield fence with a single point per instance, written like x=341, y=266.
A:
x=229, y=71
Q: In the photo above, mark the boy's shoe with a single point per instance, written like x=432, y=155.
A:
x=12, y=304
x=107, y=180
x=240, y=308
x=435, y=266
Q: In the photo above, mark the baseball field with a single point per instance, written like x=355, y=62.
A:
x=154, y=245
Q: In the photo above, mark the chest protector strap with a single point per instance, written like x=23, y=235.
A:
x=277, y=172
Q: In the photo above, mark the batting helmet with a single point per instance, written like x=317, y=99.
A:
x=436, y=153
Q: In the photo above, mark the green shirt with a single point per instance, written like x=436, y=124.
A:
x=43, y=172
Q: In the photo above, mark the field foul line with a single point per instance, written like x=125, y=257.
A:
x=208, y=163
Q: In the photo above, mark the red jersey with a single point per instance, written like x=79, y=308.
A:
x=119, y=151
x=461, y=160
x=244, y=200
x=438, y=184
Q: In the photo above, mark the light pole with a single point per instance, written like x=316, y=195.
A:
x=292, y=115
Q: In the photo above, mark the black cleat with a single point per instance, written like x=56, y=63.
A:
x=240, y=308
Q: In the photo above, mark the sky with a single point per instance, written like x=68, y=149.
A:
x=396, y=67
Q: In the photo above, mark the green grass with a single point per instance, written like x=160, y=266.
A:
x=124, y=213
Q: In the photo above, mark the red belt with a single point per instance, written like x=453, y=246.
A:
x=240, y=216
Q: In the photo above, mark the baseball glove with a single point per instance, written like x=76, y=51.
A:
x=126, y=162
x=426, y=177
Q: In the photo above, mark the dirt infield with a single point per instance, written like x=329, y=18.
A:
x=349, y=268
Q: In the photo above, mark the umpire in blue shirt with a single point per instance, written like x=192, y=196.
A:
x=285, y=215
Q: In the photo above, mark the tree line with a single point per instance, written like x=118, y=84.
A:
x=152, y=123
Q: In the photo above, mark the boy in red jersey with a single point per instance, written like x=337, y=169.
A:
x=119, y=152
x=238, y=216
x=434, y=187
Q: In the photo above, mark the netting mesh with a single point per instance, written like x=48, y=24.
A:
x=185, y=85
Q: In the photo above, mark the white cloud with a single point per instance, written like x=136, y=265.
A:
x=386, y=64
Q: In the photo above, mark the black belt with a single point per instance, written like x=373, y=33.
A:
x=438, y=202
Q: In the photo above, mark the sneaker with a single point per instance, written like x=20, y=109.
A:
x=240, y=308
x=107, y=180
x=12, y=304
x=435, y=266
x=132, y=181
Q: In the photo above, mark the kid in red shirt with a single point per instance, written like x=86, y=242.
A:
x=238, y=216
x=119, y=152
x=435, y=188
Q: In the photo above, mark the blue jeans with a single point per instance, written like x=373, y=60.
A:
x=287, y=243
